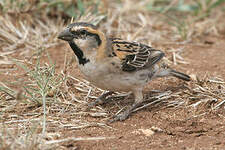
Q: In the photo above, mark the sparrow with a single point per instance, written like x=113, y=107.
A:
x=114, y=64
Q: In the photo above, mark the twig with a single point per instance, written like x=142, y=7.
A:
x=79, y=139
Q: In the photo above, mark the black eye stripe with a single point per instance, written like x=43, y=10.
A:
x=79, y=32
x=83, y=33
x=73, y=32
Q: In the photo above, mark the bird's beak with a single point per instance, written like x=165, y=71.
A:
x=66, y=35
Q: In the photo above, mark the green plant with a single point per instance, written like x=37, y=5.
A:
x=42, y=83
x=196, y=7
x=182, y=14
x=51, y=8
x=40, y=86
x=203, y=8
x=182, y=26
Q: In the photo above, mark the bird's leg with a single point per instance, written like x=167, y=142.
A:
x=124, y=115
x=101, y=99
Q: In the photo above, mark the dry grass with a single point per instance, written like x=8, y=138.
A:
x=23, y=37
x=38, y=107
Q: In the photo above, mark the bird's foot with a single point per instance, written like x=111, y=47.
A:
x=124, y=115
x=119, y=117
x=100, y=100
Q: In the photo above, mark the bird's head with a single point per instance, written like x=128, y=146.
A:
x=83, y=34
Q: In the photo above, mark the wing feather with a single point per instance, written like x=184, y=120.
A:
x=135, y=55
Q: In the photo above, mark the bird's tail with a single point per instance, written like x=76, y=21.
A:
x=180, y=75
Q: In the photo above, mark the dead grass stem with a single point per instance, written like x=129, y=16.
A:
x=37, y=107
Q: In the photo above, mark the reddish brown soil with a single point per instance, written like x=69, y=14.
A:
x=181, y=129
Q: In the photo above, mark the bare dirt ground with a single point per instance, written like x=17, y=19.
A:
x=154, y=127
x=190, y=117
x=163, y=128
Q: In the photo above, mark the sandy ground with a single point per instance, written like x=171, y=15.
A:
x=160, y=128
x=157, y=127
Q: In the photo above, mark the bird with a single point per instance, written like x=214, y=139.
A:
x=114, y=64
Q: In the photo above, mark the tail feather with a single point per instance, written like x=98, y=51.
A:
x=180, y=75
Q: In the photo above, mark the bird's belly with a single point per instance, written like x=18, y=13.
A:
x=116, y=80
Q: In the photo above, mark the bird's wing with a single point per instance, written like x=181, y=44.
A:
x=134, y=55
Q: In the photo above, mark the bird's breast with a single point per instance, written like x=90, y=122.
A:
x=110, y=78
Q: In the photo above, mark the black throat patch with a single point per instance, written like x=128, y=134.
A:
x=78, y=52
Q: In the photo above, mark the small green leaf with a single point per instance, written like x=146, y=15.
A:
x=80, y=6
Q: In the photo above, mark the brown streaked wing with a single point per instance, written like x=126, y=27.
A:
x=123, y=48
x=135, y=55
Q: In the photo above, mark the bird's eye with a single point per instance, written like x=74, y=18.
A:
x=72, y=31
x=82, y=32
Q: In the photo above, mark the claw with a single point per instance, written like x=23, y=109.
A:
x=100, y=100
x=120, y=117
x=124, y=115
x=96, y=102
